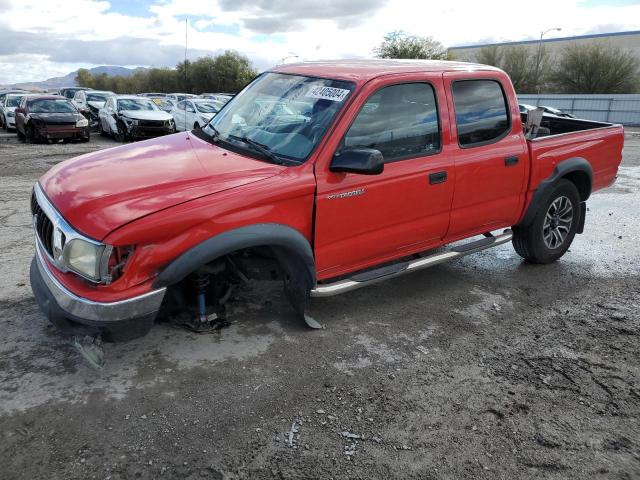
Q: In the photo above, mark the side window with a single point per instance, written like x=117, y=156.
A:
x=481, y=111
x=400, y=120
x=189, y=107
x=181, y=105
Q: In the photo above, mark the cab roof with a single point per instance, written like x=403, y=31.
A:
x=362, y=70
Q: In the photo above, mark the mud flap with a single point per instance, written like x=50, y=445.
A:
x=583, y=216
x=297, y=285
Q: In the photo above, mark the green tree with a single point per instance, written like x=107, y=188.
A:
x=400, y=44
x=596, y=68
x=490, y=55
x=529, y=68
x=84, y=78
x=228, y=72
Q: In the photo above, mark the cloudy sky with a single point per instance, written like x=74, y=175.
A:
x=44, y=38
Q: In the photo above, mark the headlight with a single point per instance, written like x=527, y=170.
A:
x=11, y=114
x=130, y=121
x=83, y=122
x=83, y=257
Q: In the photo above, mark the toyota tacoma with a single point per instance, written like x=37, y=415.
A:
x=327, y=176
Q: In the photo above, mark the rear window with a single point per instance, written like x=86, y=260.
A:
x=481, y=111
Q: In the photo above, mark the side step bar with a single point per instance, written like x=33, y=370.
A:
x=397, y=269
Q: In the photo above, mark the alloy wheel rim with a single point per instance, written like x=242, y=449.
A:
x=557, y=222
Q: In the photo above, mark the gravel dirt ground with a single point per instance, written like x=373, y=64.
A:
x=484, y=368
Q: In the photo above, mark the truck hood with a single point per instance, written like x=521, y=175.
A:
x=101, y=191
x=146, y=114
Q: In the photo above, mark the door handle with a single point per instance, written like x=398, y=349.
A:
x=438, y=177
x=511, y=160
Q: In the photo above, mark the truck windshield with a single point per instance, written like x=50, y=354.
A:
x=286, y=115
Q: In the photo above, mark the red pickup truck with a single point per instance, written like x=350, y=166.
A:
x=327, y=175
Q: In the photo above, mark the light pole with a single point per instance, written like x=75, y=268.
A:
x=539, y=56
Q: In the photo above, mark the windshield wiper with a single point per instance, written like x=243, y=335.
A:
x=263, y=149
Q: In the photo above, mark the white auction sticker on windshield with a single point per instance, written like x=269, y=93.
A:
x=328, y=93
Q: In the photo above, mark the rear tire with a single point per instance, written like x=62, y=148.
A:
x=553, y=228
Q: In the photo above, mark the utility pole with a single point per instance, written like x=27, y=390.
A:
x=539, y=55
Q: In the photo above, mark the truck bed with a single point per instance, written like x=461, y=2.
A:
x=597, y=142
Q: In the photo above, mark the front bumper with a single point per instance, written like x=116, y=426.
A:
x=136, y=131
x=56, y=133
x=11, y=122
x=117, y=321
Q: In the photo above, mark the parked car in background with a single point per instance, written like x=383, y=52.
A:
x=178, y=97
x=152, y=94
x=50, y=117
x=4, y=93
x=70, y=92
x=556, y=111
x=194, y=113
x=129, y=117
x=221, y=97
x=8, y=110
x=163, y=103
x=89, y=102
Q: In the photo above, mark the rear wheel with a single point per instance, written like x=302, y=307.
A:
x=554, y=226
x=196, y=126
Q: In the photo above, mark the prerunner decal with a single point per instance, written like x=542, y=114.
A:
x=328, y=93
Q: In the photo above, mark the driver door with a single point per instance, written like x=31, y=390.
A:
x=363, y=220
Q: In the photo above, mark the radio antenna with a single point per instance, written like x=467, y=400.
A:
x=186, y=31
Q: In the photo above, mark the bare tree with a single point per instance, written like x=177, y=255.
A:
x=596, y=68
x=400, y=44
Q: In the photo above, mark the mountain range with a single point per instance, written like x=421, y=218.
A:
x=69, y=80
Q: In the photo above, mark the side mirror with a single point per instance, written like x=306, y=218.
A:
x=365, y=161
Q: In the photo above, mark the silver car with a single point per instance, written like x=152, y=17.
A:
x=8, y=110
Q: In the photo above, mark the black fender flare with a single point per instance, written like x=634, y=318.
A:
x=282, y=237
x=577, y=165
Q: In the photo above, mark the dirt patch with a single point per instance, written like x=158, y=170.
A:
x=482, y=368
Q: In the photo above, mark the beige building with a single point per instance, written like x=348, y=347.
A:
x=627, y=40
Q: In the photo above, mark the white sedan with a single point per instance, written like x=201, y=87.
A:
x=8, y=110
x=194, y=113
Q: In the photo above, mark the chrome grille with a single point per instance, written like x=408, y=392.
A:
x=43, y=225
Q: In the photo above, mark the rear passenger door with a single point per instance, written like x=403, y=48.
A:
x=363, y=220
x=491, y=159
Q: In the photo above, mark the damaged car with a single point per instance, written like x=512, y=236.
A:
x=351, y=186
x=89, y=103
x=129, y=117
x=49, y=118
